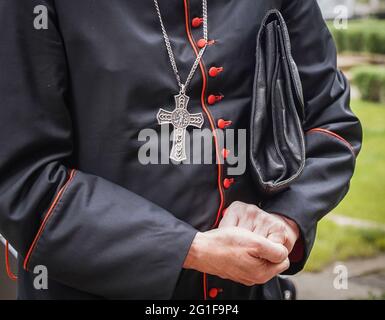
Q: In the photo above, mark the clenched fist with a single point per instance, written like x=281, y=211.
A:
x=237, y=254
x=271, y=226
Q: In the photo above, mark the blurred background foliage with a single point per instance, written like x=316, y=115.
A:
x=356, y=228
x=361, y=36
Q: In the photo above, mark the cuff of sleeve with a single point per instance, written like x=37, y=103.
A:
x=297, y=254
x=307, y=228
x=113, y=254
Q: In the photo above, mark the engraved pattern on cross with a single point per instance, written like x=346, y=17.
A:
x=180, y=119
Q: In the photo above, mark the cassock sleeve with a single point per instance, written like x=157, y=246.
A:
x=333, y=134
x=91, y=234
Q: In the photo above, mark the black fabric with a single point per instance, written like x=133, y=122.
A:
x=78, y=94
x=277, y=147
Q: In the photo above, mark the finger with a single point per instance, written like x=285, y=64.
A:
x=262, y=224
x=231, y=214
x=249, y=217
x=261, y=228
x=228, y=220
x=268, y=250
x=273, y=270
x=246, y=221
x=278, y=237
x=262, y=273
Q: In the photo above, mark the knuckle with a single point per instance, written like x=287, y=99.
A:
x=250, y=214
x=252, y=210
x=264, y=217
x=281, y=227
x=234, y=208
x=255, y=209
x=236, y=204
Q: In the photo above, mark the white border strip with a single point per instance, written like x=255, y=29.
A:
x=11, y=249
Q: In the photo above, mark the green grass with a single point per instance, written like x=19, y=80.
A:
x=365, y=200
x=337, y=243
x=374, y=297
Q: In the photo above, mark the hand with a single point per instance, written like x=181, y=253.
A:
x=238, y=255
x=271, y=226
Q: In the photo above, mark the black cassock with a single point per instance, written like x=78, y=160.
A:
x=74, y=196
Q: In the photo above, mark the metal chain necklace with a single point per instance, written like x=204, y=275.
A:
x=180, y=118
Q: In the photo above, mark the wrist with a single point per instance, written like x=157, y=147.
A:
x=196, y=252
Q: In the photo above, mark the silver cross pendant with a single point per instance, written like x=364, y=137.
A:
x=180, y=119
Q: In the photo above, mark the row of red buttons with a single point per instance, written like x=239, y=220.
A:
x=213, y=71
x=222, y=124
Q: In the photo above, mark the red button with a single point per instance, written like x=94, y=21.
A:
x=196, y=22
x=228, y=182
x=201, y=43
x=214, y=71
x=222, y=124
x=213, y=293
x=225, y=153
x=212, y=99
